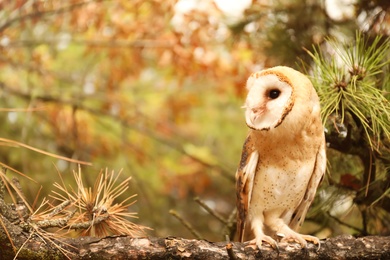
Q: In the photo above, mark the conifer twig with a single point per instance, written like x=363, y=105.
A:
x=186, y=224
x=229, y=249
x=93, y=210
x=20, y=194
x=210, y=210
x=361, y=231
x=230, y=228
x=56, y=222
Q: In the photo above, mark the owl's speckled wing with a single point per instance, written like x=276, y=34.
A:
x=318, y=172
x=244, y=183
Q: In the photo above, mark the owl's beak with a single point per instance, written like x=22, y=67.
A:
x=255, y=113
x=257, y=110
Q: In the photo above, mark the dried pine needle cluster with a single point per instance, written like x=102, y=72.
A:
x=90, y=210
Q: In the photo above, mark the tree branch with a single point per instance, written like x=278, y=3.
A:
x=97, y=43
x=124, y=247
x=40, y=14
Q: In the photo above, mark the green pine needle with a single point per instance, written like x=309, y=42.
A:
x=351, y=83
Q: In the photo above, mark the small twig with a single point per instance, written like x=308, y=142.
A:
x=12, y=20
x=90, y=223
x=230, y=228
x=345, y=224
x=229, y=249
x=59, y=222
x=19, y=194
x=210, y=210
x=59, y=208
x=370, y=173
x=20, y=199
x=186, y=224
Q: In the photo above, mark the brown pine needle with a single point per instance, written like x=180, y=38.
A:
x=36, y=197
x=53, y=240
x=8, y=141
x=7, y=233
x=25, y=242
x=16, y=171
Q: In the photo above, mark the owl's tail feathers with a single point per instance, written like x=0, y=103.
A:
x=241, y=229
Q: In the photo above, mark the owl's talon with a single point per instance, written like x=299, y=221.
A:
x=319, y=246
x=259, y=242
x=301, y=239
x=276, y=247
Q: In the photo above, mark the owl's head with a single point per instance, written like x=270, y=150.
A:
x=271, y=96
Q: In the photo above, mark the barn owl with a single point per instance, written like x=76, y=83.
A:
x=283, y=158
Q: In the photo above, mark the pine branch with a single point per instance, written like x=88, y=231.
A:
x=347, y=81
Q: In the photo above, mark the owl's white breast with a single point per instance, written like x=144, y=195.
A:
x=279, y=187
x=284, y=169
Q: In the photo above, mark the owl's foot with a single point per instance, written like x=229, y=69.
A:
x=258, y=241
x=288, y=234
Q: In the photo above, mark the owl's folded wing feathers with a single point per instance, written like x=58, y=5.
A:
x=244, y=183
x=318, y=172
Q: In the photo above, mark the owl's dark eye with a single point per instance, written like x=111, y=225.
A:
x=274, y=93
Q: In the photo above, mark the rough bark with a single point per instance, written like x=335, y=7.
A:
x=19, y=236
x=123, y=247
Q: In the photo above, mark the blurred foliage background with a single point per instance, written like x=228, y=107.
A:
x=155, y=87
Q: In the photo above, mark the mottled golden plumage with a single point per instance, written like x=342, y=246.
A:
x=283, y=158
